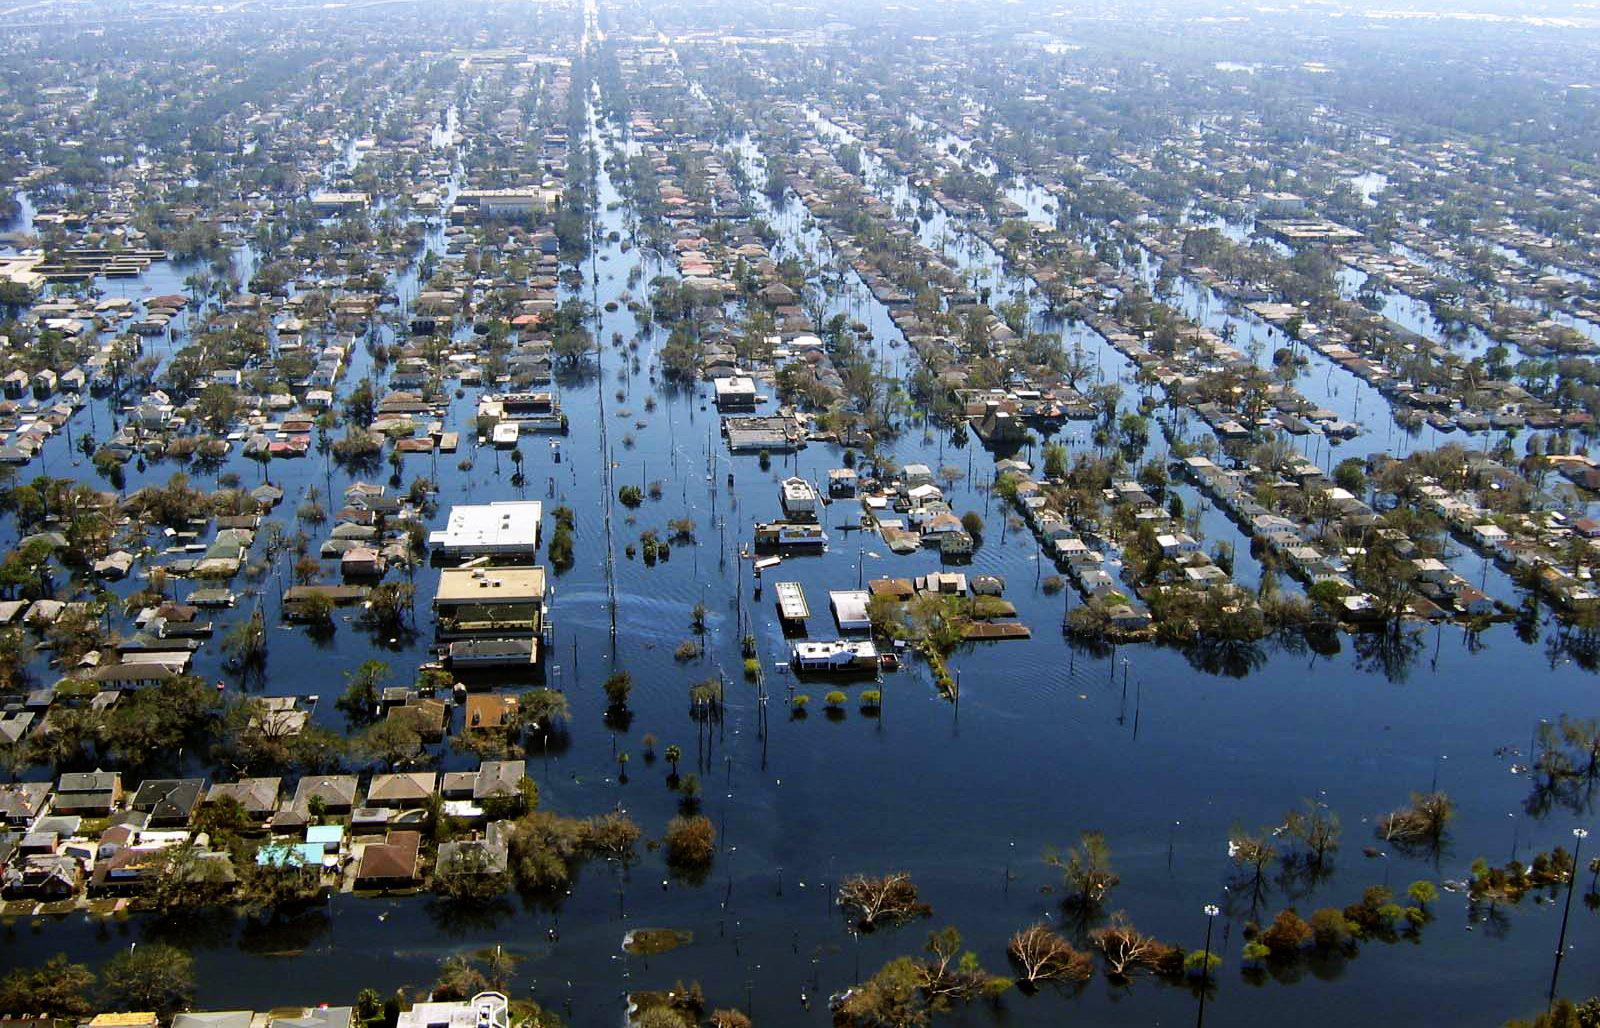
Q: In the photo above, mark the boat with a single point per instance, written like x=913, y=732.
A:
x=840, y=656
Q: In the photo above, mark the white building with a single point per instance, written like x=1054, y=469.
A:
x=485, y=1010
x=503, y=528
x=798, y=497
x=850, y=609
x=503, y=203
x=735, y=391
x=339, y=203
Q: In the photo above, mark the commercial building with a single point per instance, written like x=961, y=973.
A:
x=485, y=1010
x=489, y=615
x=339, y=203
x=503, y=203
x=507, y=528
x=735, y=391
x=850, y=609
x=799, y=498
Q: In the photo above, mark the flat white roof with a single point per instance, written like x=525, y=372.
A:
x=850, y=608
x=507, y=526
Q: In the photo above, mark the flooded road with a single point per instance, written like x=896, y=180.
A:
x=1162, y=751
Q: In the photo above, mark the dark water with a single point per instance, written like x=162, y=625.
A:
x=1046, y=742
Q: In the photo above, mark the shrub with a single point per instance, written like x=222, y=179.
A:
x=691, y=842
x=1287, y=934
x=1329, y=929
x=618, y=687
x=560, y=547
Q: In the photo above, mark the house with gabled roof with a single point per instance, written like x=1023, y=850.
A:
x=394, y=863
x=88, y=793
x=258, y=797
x=407, y=789
x=337, y=793
x=169, y=802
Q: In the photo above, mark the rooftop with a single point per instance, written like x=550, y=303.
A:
x=507, y=526
x=484, y=585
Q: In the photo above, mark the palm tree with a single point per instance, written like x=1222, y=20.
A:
x=673, y=755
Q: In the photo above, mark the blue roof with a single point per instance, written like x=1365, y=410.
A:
x=277, y=854
x=324, y=833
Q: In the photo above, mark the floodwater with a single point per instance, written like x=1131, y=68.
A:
x=1162, y=751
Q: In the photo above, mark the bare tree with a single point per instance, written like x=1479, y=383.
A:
x=1421, y=824
x=1127, y=950
x=1316, y=830
x=889, y=900
x=1251, y=853
x=1042, y=955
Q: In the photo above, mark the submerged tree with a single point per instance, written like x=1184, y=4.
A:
x=56, y=988
x=881, y=902
x=154, y=976
x=1042, y=955
x=1422, y=824
x=1251, y=854
x=691, y=844
x=909, y=991
x=1088, y=873
x=1127, y=951
x=1316, y=831
x=246, y=642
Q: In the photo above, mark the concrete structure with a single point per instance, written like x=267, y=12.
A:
x=490, y=615
x=508, y=528
x=792, y=606
x=799, y=497
x=503, y=203
x=735, y=391
x=850, y=609
x=485, y=1010
x=338, y=203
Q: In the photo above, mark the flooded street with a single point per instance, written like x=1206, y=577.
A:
x=1167, y=751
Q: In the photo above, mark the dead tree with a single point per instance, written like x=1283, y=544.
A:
x=1041, y=955
x=889, y=900
x=1127, y=950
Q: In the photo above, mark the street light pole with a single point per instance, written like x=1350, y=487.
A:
x=1211, y=912
x=1578, y=834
